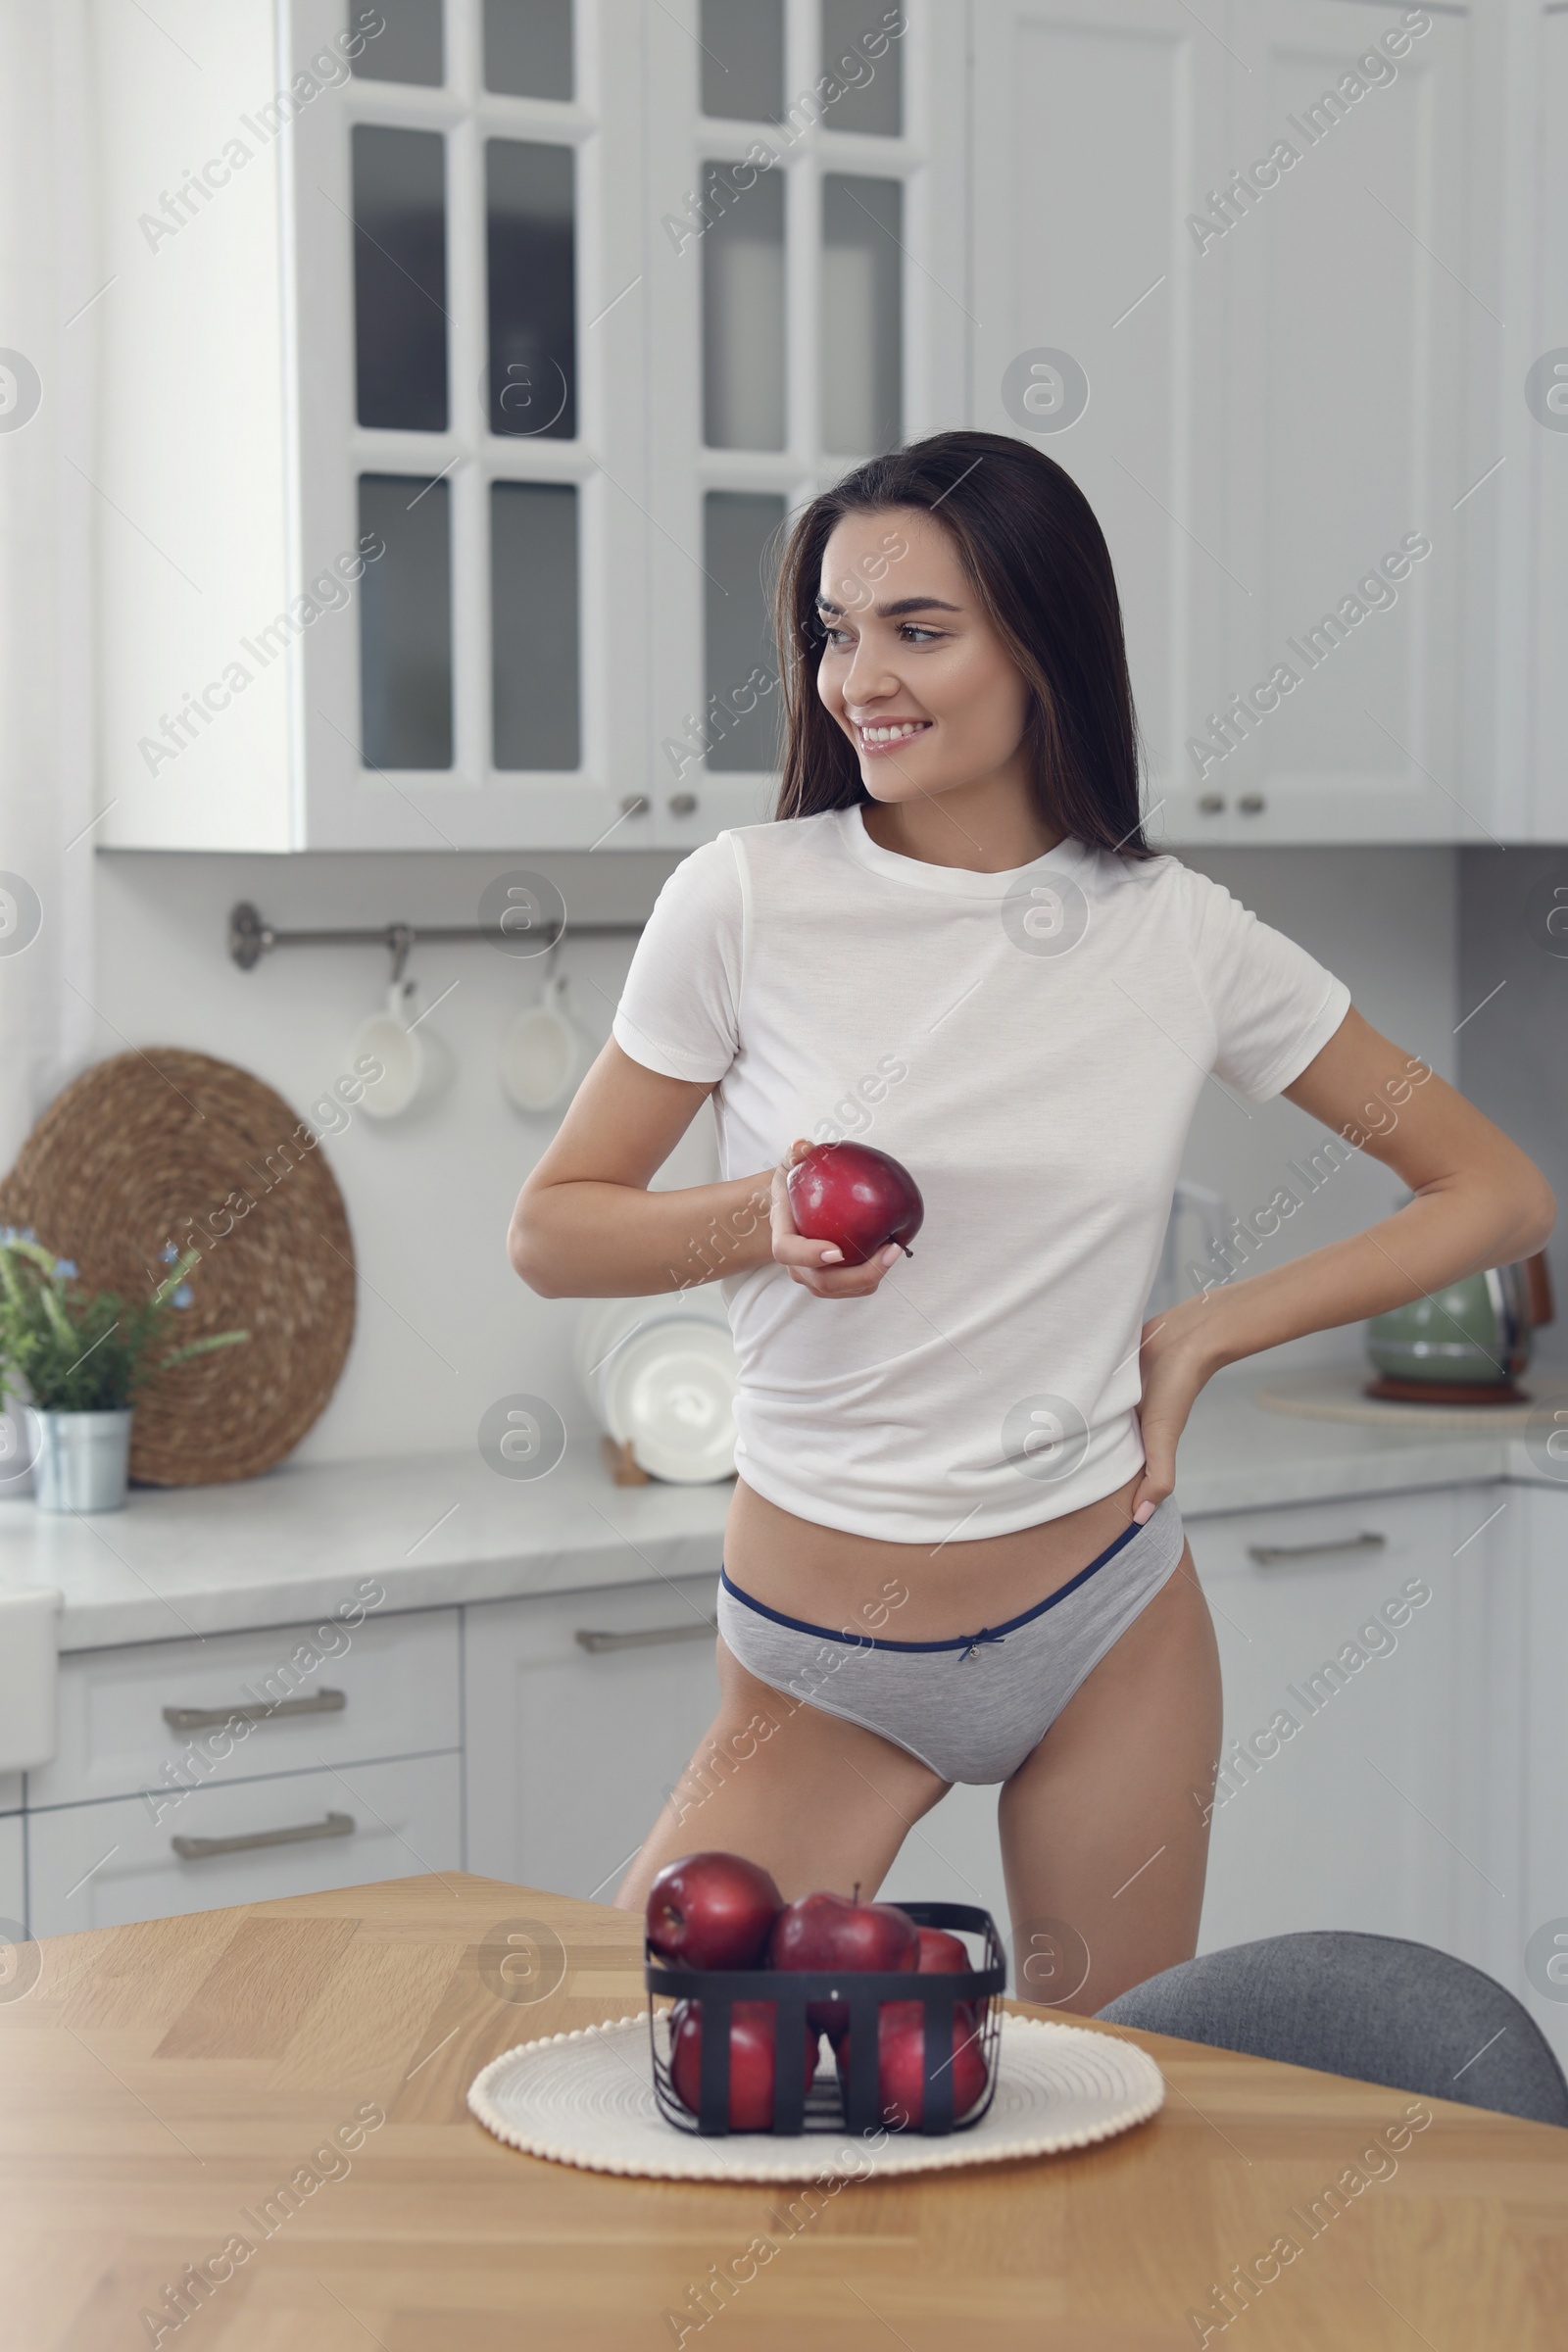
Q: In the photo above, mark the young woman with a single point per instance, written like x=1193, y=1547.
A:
x=953, y=1551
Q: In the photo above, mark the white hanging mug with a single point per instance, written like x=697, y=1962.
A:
x=388, y=1038
x=543, y=1053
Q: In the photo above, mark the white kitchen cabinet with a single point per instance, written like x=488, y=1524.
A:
x=572, y=1746
x=802, y=316
x=247, y=1704
x=1274, y=400
x=12, y=1882
x=104, y=1865
x=1356, y=1722
x=401, y=303
x=1526, y=581
x=1536, y=1694
x=414, y=534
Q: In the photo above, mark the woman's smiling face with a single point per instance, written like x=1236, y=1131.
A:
x=911, y=667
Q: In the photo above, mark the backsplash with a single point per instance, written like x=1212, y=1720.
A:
x=444, y=1326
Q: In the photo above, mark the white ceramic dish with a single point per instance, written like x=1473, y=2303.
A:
x=543, y=1053
x=388, y=1036
x=660, y=1373
x=587, y=2098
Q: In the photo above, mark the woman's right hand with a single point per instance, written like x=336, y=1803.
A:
x=818, y=1266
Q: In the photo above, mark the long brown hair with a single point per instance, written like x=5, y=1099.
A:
x=1038, y=560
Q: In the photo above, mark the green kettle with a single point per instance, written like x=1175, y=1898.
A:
x=1467, y=1342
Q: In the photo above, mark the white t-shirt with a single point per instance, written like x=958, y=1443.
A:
x=1031, y=1046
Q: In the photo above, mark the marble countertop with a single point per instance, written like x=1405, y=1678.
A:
x=439, y=1528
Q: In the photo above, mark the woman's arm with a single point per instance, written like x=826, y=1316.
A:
x=1479, y=1201
x=586, y=1226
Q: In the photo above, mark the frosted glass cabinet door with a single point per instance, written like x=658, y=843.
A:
x=743, y=60
x=406, y=622
x=743, y=313
x=400, y=278
x=863, y=315
x=527, y=48
x=533, y=618
x=406, y=46
x=742, y=706
x=530, y=254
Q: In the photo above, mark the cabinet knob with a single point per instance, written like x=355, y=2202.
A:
x=1250, y=803
x=635, y=804
x=683, y=804
x=1209, y=803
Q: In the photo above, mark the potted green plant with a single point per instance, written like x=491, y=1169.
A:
x=81, y=1357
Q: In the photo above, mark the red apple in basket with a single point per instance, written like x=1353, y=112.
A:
x=751, y=2061
x=712, y=1911
x=942, y=1955
x=860, y=1199
x=841, y=1933
x=900, y=2062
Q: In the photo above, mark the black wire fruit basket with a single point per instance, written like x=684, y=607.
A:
x=851, y=2096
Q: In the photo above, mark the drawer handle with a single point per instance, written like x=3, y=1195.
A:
x=203, y=1849
x=655, y=1634
x=1266, y=1554
x=204, y=1719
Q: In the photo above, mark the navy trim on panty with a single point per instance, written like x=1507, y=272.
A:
x=961, y=1641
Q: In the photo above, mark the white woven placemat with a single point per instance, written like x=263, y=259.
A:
x=587, y=2098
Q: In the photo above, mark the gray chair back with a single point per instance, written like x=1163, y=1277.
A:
x=1371, y=2006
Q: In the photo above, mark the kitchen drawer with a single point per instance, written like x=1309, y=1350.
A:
x=13, y=1891
x=398, y=1678
x=1325, y=1541
x=105, y=1865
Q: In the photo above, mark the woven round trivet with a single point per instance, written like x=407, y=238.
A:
x=169, y=1147
x=587, y=2098
x=1330, y=1393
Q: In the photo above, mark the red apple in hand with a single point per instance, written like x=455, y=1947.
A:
x=900, y=2063
x=712, y=1911
x=856, y=1197
x=751, y=2061
x=832, y=1931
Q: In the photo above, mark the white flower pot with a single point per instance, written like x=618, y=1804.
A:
x=79, y=1461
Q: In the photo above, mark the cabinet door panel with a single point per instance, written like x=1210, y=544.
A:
x=1350, y=1735
x=572, y=1750
x=1542, y=1984
x=105, y=1865
x=12, y=1889
x=1087, y=129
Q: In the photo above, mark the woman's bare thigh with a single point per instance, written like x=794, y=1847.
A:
x=1104, y=1828
x=817, y=1801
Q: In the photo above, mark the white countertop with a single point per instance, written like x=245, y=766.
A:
x=439, y=1528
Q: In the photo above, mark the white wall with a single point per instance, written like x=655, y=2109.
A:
x=1386, y=921
x=1513, y=1063
x=444, y=1327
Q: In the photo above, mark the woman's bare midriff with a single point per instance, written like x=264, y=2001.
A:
x=909, y=1592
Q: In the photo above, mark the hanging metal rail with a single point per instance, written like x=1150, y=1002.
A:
x=251, y=937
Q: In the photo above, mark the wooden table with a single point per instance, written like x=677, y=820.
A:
x=159, y=2084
